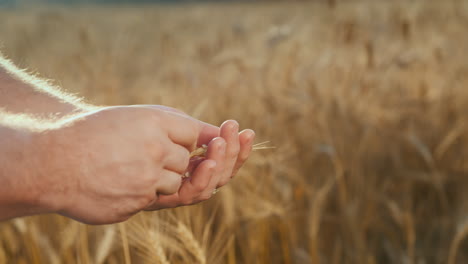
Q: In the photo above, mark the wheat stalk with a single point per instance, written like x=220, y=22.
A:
x=126, y=248
x=456, y=242
x=201, y=151
x=105, y=245
x=192, y=245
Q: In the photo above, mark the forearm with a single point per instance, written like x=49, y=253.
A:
x=19, y=169
x=21, y=92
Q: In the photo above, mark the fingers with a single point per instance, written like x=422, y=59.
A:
x=169, y=182
x=185, y=130
x=230, y=133
x=192, y=189
x=211, y=173
x=246, y=138
x=203, y=181
x=217, y=152
x=227, y=152
x=206, y=133
x=177, y=159
x=181, y=129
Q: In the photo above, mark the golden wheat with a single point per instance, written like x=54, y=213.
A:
x=366, y=102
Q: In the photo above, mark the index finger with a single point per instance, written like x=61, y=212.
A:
x=206, y=131
x=181, y=129
x=188, y=131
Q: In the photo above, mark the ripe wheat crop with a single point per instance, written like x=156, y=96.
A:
x=366, y=103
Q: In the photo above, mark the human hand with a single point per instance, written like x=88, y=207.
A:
x=107, y=165
x=104, y=166
x=227, y=147
x=229, y=151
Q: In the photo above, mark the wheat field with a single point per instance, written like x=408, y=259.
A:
x=366, y=103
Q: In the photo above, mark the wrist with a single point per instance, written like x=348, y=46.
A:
x=41, y=173
x=20, y=174
x=49, y=178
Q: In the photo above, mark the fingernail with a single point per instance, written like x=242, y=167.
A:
x=225, y=122
x=251, y=134
x=235, y=128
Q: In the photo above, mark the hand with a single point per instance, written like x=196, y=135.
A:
x=226, y=147
x=105, y=166
x=225, y=156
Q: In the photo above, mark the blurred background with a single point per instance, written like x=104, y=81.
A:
x=81, y=2
x=365, y=101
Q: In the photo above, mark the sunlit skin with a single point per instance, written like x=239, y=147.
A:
x=101, y=165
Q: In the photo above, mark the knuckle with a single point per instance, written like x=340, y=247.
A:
x=163, y=148
x=161, y=152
